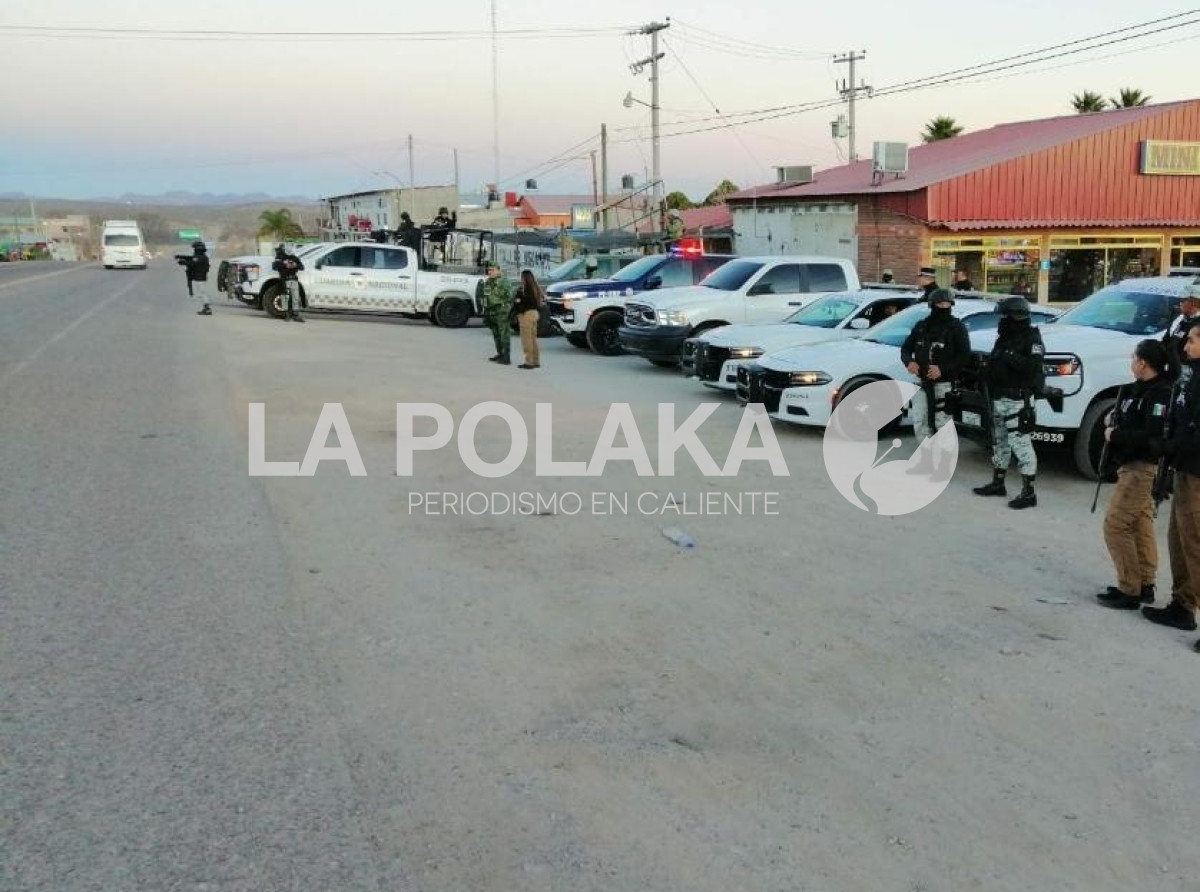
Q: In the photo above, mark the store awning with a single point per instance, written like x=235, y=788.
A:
x=959, y=225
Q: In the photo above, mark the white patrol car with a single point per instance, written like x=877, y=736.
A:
x=367, y=277
x=242, y=277
x=749, y=289
x=803, y=384
x=1087, y=357
x=714, y=356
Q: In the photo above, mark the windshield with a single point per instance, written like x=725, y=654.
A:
x=826, y=312
x=122, y=240
x=565, y=270
x=896, y=330
x=639, y=268
x=732, y=275
x=1131, y=312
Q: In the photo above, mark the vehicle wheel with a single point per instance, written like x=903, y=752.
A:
x=665, y=363
x=433, y=318
x=274, y=301
x=602, y=334
x=1089, y=442
x=108, y=266
x=452, y=312
x=577, y=339
x=865, y=429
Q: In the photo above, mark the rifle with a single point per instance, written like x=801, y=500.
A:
x=185, y=261
x=1102, y=466
x=1164, y=474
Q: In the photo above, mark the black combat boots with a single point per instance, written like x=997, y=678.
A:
x=1174, y=615
x=995, y=488
x=1026, y=498
x=504, y=359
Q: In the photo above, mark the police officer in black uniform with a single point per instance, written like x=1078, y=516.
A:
x=287, y=265
x=1134, y=434
x=935, y=352
x=407, y=234
x=927, y=281
x=1176, y=333
x=196, y=267
x=1014, y=375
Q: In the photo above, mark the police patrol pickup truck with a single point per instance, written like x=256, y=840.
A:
x=589, y=311
x=367, y=277
x=748, y=289
x=1088, y=350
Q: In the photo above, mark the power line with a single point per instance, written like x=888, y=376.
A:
x=67, y=31
x=725, y=43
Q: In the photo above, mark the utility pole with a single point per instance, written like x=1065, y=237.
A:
x=652, y=29
x=849, y=90
x=604, y=176
x=595, y=182
x=495, y=100
x=412, y=179
x=457, y=191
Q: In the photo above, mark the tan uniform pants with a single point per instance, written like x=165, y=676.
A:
x=1129, y=528
x=1183, y=541
x=528, y=322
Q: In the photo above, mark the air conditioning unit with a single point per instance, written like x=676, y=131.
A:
x=890, y=157
x=796, y=174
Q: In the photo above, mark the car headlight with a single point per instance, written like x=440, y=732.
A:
x=745, y=352
x=574, y=295
x=672, y=317
x=809, y=379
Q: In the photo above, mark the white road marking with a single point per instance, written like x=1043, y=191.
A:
x=57, y=272
x=33, y=357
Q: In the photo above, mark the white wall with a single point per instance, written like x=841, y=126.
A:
x=825, y=229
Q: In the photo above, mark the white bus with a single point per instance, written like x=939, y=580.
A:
x=122, y=245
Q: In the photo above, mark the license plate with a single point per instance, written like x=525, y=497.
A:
x=972, y=419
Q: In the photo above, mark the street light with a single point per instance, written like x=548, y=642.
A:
x=629, y=100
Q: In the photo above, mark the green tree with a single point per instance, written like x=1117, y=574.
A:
x=1129, y=98
x=1087, y=102
x=279, y=224
x=940, y=128
x=717, y=195
x=677, y=201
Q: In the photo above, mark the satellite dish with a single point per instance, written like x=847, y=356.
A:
x=628, y=100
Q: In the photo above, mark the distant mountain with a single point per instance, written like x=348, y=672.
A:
x=178, y=199
x=207, y=199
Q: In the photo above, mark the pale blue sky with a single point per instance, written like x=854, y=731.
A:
x=92, y=116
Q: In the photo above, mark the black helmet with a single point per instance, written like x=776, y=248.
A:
x=199, y=247
x=280, y=250
x=941, y=296
x=1014, y=308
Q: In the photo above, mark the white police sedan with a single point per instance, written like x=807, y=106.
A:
x=714, y=356
x=802, y=385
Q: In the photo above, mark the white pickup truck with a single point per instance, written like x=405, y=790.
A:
x=748, y=289
x=1088, y=350
x=367, y=277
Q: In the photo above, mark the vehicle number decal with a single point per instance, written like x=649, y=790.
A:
x=1048, y=437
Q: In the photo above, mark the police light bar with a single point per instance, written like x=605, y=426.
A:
x=688, y=247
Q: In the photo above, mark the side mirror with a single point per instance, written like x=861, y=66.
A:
x=762, y=288
x=860, y=324
x=653, y=282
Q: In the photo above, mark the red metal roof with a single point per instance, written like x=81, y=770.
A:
x=718, y=216
x=957, y=225
x=950, y=158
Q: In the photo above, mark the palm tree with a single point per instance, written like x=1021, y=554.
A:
x=279, y=224
x=717, y=195
x=1087, y=102
x=940, y=128
x=1130, y=98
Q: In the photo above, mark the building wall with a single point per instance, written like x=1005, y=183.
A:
x=794, y=227
x=1094, y=179
x=383, y=207
x=888, y=240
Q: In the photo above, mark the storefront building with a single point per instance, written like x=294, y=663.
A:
x=1053, y=209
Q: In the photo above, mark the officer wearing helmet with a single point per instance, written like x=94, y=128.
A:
x=927, y=281
x=196, y=268
x=935, y=353
x=1014, y=374
x=287, y=265
x=1176, y=334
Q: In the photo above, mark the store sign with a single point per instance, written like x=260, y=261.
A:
x=1170, y=158
x=583, y=216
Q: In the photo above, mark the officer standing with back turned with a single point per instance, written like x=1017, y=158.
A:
x=1013, y=375
x=935, y=352
x=287, y=265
